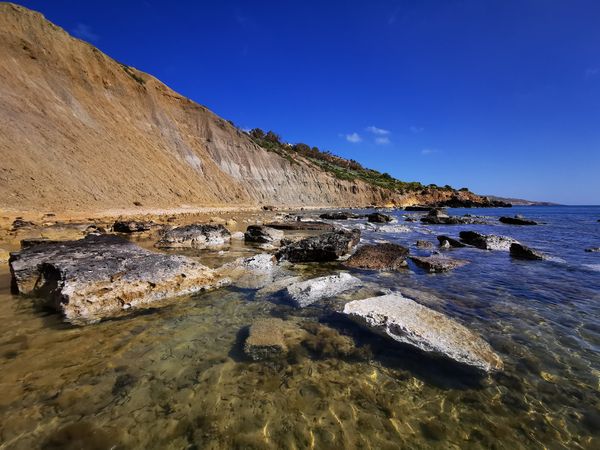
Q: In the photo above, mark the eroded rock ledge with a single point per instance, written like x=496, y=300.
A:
x=104, y=276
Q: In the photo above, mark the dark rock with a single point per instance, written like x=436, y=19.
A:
x=104, y=276
x=417, y=208
x=262, y=234
x=195, y=236
x=302, y=225
x=453, y=242
x=268, y=208
x=410, y=219
x=325, y=247
x=592, y=249
x=438, y=263
x=26, y=243
x=338, y=216
x=523, y=252
x=378, y=218
x=20, y=223
x=131, y=226
x=486, y=242
x=424, y=244
x=517, y=221
x=379, y=257
x=448, y=220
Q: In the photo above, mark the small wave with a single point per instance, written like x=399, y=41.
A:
x=394, y=229
x=594, y=267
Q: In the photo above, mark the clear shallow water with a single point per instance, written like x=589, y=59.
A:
x=176, y=377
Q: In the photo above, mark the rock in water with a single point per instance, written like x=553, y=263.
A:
x=104, y=276
x=523, y=252
x=270, y=338
x=131, y=226
x=378, y=218
x=438, y=263
x=302, y=225
x=338, y=216
x=451, y=241
x=379, y=257
x=262, y=234
x=424, y=244
x=195, y=236
x=325, y=247
x=408, y=322
x=592, y=249
x=308, y=292
x=517, y=221
x=487, y=242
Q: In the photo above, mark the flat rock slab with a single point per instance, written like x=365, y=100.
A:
x=523, y=252
x=104, y=276
x=411, y=323
x=262, y=234
x=487, y=242
x=325, y=247
x=438, y=263
x=306, y=293
x=384, y=256
x=195, y=236
x=271, y=338
x=306, y=225
x=517, y=221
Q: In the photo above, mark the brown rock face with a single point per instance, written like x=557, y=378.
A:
x=379, y=257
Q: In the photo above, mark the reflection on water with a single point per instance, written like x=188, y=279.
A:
x=177, y=377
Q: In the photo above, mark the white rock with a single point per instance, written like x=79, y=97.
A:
x=408, y=322
x=308, y=292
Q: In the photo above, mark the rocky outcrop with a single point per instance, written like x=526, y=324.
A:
x=262, y=234
x=523, y=252
x=131, y=226
x=451, y=241
x=325, y=247
x=385, y=256
x=104, y=276
x=307, y=292
x=486, y=242
x=436, y=263
x=195, y=236
x=378, y=218
x=408, y=322
x=517, y=220
x=302, y=225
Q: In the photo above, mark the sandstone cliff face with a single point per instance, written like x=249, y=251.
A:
x=80, y=131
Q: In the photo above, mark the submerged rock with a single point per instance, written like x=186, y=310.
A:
x=271, y=338
x=131, y=226
x=408, y=322
x=379, y=257
x=424, y=244
x=451, y=241
x=592, y=249
x=194, y=236
x=325, y=247
x=523, y=252
x=104, y=276
x=306, y=225
x=487, y=242
x=516, y=220
x=262, y=234
x=307, y=292
x=378, y=218
x=254, y=272
x=437, y=263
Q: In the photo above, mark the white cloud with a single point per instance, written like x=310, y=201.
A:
x=428, y=151
x=353, y=137
x=416, y=130
x=382, y=140
x=378, y=131
x=85, y=32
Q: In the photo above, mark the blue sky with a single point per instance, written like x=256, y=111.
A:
x=500, y=96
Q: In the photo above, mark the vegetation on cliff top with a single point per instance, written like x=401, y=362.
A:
x=344, y=169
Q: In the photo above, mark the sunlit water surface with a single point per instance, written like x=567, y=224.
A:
x=177, y=377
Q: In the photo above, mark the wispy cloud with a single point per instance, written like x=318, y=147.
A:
x=384, y=140
x=416, y=130
x=353, y=137
x=428, y=151
x=378, y=131
x=592, y=72
x=85, y=32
